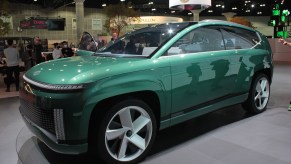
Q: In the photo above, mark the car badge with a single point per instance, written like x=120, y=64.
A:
x=28, y=89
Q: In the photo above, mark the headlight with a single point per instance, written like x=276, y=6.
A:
x=59, y=124
x=55, y=87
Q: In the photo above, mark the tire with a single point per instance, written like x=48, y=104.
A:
x=259, y=95
x=126, y=133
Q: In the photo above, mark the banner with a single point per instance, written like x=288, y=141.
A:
x=157, y=20
x=189, y=4
x=34, y=24
x=7, y=19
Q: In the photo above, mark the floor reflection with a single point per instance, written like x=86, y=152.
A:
x=32, y=151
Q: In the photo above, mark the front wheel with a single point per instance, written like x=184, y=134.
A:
x=126, y=132
x=259, y=95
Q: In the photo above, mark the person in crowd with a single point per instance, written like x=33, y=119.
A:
x=118, y=46
x=2, y=63
x=57, y=52
x=103, y=43
x=29, y=57
x=66, y=50
x=12, y=61
x=130, y=47
x=284, y=42
x=38, y=50
x=114, y=37
x=92, y=45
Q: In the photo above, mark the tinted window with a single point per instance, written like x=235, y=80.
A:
x=143, y=41
x=235, y=38
x=199, y=40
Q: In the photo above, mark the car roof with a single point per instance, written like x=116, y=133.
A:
x=211, y=22
x=223, y=22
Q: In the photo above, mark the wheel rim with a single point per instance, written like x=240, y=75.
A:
x=128, y=133
x=262, y=93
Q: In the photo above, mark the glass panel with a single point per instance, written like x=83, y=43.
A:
x=143, y=42
x=199, y=40
x=235, y=38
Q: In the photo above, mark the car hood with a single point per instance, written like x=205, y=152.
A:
x=80, y=69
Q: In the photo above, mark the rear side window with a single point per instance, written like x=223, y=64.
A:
x=202, y=39
x=236, y=38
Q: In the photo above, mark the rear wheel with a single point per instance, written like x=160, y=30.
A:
x=259, y=95
x=126, y=133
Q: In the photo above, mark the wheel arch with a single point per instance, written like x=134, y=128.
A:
x=149, y=97
x=267, y=71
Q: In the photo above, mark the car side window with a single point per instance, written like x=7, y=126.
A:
x=235, y=38
x=199, y=40
x=87, y=43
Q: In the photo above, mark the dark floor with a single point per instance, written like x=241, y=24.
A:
x=227, y=136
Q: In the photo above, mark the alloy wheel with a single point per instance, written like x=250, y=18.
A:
x=262, y=93
x=128, y=133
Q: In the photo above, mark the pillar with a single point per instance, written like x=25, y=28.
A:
x=79, y=18
x=196, y=15
x=229, y=15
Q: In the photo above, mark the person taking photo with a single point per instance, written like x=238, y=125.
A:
x=284, y=42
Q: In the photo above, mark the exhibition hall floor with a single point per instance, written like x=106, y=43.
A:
x=228, y=136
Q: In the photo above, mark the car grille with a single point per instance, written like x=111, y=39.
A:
x=40, y=117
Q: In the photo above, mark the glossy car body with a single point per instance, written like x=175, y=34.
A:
x=193, y=71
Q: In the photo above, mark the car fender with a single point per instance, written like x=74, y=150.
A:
x=121, y=85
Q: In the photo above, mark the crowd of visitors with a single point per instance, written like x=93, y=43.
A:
x=30, y=55
x=33, y=53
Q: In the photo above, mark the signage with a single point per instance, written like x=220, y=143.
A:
x=40, y=23
x=96, y=24
x=34, y=24
x=74, y=23
x=157, y=20
x=7, y=19
x=189, y=4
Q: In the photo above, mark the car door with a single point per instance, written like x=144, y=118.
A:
x=242, y=50
x=201, y=73
x=87, y=45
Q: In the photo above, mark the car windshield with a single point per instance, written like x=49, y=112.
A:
x=142, y=42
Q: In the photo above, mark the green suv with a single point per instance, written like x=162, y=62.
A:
x=112, y=102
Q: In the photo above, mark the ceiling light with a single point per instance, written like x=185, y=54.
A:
x=104, y=4
x=150, y=3
x=173, y=11
x=253, y=5
x=35, y=0
x=153, y=9
x=259, y=12
x=189, y=13
x=210, y=11
x=122, y=0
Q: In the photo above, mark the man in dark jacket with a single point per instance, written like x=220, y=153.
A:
x=38, y=50
x=67, y=51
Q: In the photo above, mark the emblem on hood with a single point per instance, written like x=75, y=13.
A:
x=27, y=89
